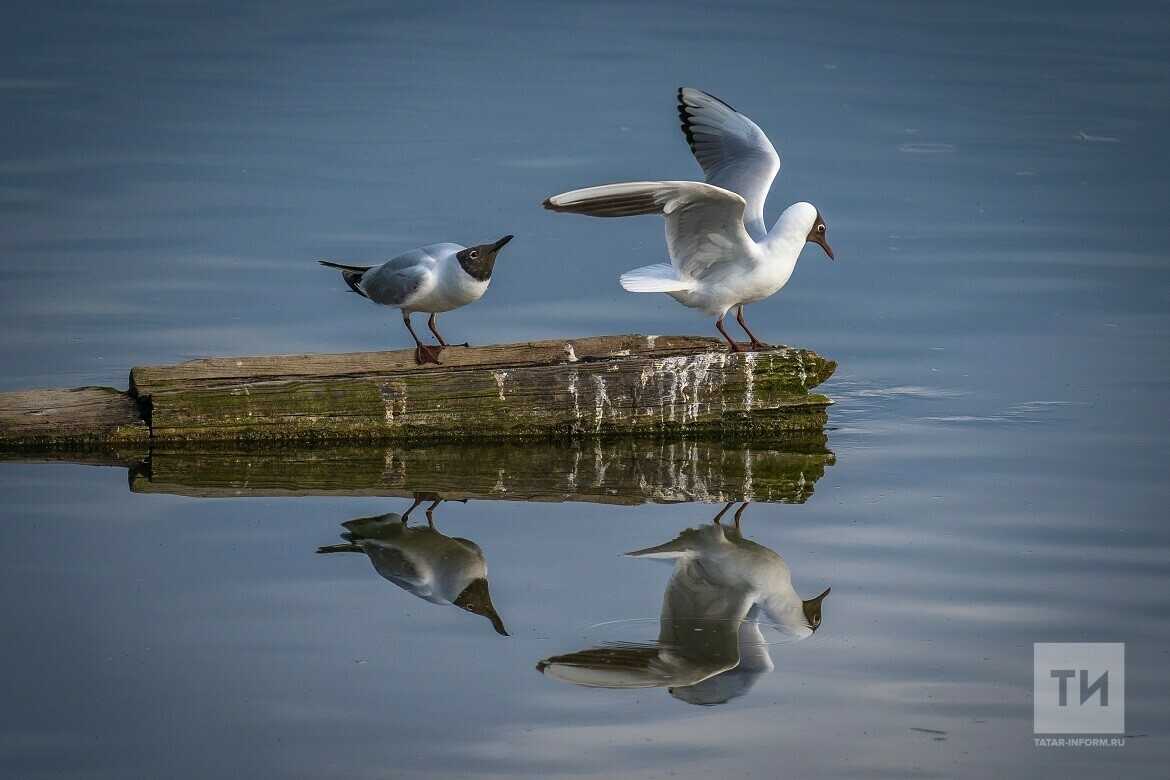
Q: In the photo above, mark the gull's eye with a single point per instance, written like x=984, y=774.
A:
x=474, y=254
x=821, y=228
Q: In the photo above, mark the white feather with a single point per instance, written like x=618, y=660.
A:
x=661, y=277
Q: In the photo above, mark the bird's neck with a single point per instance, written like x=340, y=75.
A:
x=782, y=248
x=785, y=240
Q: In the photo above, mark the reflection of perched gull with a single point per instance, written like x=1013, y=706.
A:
x=709, y=647
x=419, y=559
x=721, y=255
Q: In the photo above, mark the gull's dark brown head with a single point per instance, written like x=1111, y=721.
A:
x=476, y=600
x=812, y=610
x=817, y=235
x=478, y=261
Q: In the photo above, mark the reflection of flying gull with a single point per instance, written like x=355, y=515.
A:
x=710, y=648
x=440, y=569
x=721, y=255
x=436, y=278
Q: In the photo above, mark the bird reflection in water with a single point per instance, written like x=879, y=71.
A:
x=419, y=559
x=710, y=648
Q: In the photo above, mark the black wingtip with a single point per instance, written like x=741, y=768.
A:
x=557, y=207
x=682, y=102
x=685, y=116
x=685, y=108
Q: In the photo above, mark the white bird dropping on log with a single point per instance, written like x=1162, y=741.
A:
x=721, y=256
x=433, y=279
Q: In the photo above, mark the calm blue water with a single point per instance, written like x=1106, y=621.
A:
x=999, y=310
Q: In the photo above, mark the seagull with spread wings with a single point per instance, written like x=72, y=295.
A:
x=721, y=255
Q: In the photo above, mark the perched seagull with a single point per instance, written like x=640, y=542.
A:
x=437, y=568
x=710, y=648
x=435, y=278
x=721, y=256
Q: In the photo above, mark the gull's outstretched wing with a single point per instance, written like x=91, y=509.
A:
x=732, y=150
x=704, y=224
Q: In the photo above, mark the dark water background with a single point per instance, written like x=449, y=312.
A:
x=994, y=181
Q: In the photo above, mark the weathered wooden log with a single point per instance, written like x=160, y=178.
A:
x=628, y=470
x=613, y=384
x=592, y=386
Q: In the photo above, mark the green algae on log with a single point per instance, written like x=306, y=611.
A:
x=601, y=385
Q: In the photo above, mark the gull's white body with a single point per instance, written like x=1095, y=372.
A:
x=429, y=279
x=715, y=266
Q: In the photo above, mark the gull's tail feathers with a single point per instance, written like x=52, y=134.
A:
x=352, y=274
x=661, y=277
x=358, y=269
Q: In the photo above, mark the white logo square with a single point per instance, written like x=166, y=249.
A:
x=1078, y=688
